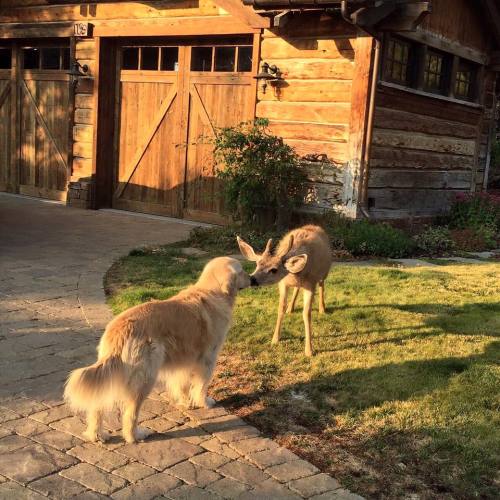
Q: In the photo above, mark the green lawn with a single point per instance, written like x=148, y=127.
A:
x=403, y=394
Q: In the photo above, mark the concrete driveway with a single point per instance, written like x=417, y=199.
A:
x=52, y=313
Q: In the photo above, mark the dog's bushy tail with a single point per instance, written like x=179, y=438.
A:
x=96, y=386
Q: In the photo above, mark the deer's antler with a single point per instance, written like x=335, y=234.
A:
x=290, y=244
x=268, y=247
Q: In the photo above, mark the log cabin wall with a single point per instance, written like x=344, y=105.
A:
x=312, y=108
x=427, y=148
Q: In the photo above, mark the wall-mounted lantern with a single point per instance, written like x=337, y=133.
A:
x=78, y=69
x=269, y=74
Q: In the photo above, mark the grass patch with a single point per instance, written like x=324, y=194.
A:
x=402, y=396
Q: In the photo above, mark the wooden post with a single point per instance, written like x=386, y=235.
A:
x=360, y=99
x=15, y=116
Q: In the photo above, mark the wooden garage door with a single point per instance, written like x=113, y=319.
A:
x=171, y=97
x=35, y=118
x=7, y=178
x=44, y=114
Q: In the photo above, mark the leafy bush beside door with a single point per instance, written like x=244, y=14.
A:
x=262, y=176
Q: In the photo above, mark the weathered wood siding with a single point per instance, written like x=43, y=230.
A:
x=461, y=21
x=311, y=110
x=426, y=149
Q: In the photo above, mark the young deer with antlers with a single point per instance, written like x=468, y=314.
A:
x=302, y=259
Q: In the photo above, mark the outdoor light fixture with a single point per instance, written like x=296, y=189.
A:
x=78, y=70
x=269, y=74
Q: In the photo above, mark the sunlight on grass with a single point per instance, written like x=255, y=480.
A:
x=405, y=372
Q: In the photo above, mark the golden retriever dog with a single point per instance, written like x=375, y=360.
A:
x=176, y=341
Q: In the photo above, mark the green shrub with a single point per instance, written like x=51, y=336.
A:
x=475, y=210
x=435, y=241
x=474, y=239
x=260, y=174
x=358, y=237
x=362, y=237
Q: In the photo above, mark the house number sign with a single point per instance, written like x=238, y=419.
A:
x=82, y=29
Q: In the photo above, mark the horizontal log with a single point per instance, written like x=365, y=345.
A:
x=424, y=142
x=307, y=69
x=309, y=131
x=161, y=8
x=412, y=201
x=305, y=48
x=84, y=101
x=86, y=50
x=85, y=116
x=83, y=149
x=389, y=157
x=335, y=151
x=83, y=133
x=428, y=106
x=415, y=122
x=82, y=167
x=300, y=112
x=172, y=26
x=391, y=178
x=309, y=91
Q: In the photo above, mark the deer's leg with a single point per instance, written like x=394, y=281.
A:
x=291, y=306
x=306, y=314
x=281, y=311
x=321, y=304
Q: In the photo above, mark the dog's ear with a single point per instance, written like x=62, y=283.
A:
x=227, y=280
x=296, y=263
x=246, y=250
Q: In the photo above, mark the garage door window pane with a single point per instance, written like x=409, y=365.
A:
x=130, y=58
x=169, y=58
x=5, y=58
x=201, y=59
x=149, y=58
x=224, y=58
x=65, y=58
x=31, y=58
x=244, y=58
x=51, y=58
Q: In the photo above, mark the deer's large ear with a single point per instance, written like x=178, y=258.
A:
x=296, y=263
x=246, y=250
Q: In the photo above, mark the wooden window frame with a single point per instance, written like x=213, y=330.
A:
x=387, y=68
x=417, y=68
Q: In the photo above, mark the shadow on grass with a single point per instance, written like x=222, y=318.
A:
x=446, y=441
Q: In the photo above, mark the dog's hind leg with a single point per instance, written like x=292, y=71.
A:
x=94, y=431
x=201, y=377
x=145, y=361
x=131, y=432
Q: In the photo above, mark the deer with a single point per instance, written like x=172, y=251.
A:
x=302, y=260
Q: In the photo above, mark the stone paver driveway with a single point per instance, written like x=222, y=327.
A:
x=52, y=312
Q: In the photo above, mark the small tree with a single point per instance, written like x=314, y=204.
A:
x=260, y=172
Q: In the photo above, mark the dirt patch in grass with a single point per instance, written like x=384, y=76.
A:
x=402, y=396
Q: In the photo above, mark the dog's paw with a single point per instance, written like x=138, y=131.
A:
x=209, y=403
x=141, y=433
x=94, y=436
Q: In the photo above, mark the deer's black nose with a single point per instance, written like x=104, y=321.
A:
x=253, y=281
